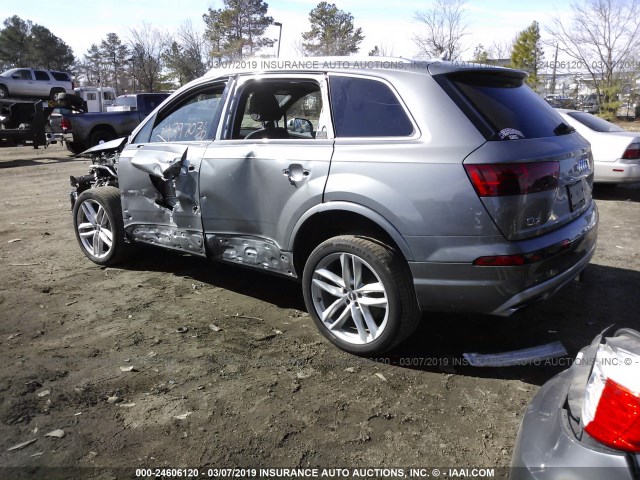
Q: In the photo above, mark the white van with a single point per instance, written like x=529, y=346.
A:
x=97, y=98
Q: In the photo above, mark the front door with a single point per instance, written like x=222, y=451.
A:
x=270, y=167
x=158, y=171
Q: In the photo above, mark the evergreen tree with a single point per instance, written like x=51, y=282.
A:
x=332, y=32
x=113, y=56
x=237, y=30
x=527, y=53
x=480, y=54
x=14, y=41
x=25, y=44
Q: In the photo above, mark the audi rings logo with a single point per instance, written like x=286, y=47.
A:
x=583, y=165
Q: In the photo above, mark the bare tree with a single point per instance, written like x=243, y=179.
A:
x=147, y=45
x=186, y=56
x=444, y=28
x=500, y=50
x=602, y=36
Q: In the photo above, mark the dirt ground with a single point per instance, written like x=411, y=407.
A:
x=266, y=389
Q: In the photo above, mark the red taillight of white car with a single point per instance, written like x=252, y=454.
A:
x=497, y=179
x=611, y=410
x=632, y=152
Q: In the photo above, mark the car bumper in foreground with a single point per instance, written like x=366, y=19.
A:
x=547, y=449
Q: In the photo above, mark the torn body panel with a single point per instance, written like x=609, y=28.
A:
x=189, y=241
x=251, y=251
x=160, y=195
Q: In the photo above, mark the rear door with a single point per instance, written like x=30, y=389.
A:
x=43, y=83
x=256, y=182
x=158, y=171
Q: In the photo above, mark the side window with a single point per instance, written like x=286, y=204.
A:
x=193, y=119
x=91, y=96
x=61, y=76
x=41, y=75
x=278, y=109
x=366, y=108
x=23, y=75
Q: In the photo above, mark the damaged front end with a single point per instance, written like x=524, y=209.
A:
x=102, y=172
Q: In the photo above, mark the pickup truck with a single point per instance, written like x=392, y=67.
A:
x=81, y=131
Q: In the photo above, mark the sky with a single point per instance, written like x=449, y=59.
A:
x=385, y=23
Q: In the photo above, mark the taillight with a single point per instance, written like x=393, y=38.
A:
x=632, y=152
x=65, y=124
x=611, y=410
x=497, y=179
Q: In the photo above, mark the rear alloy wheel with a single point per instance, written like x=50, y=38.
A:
x=4, y=93
x=97, y=218
x=360, y=295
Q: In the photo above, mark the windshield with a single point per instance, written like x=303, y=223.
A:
x=595, y=123
x=7, y=73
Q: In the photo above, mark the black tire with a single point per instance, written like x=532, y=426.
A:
x=100, y=135
x=54, y=92
x=4, y=93
x=109, y=199
x=75, y=147
x=382, y=264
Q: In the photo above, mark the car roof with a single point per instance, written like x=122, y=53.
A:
x=355, y=64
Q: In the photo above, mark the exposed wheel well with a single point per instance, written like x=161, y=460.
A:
x=324, y=225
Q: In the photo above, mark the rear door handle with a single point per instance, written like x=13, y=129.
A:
x=295, y=173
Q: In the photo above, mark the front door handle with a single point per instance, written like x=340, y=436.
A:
x=295, y=173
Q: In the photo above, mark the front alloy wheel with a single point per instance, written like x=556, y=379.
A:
x=97, y=218
x=360, y=294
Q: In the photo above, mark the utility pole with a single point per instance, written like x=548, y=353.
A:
x=278, y=24
x=553, y=74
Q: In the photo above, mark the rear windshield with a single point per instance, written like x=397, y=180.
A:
x=510, y=107
x=126, y=102
x=595, y=123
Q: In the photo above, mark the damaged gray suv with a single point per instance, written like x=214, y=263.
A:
x=386, y=188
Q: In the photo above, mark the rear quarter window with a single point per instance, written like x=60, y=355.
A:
x=510, y=108
x=60, y=76
x=364, y=107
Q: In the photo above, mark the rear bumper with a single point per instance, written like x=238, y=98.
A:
x=68, y=137
x=620, y=171
x=546, y=448
x=464, y=287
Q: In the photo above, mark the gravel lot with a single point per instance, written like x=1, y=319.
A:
x=265, y=390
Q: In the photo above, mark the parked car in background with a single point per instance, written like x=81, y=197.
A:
x=84, y=130
x=30, y=82
x=589, y=104
x=429, y=186
x=585, y=422
x=616, y=152
x=557, y=101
